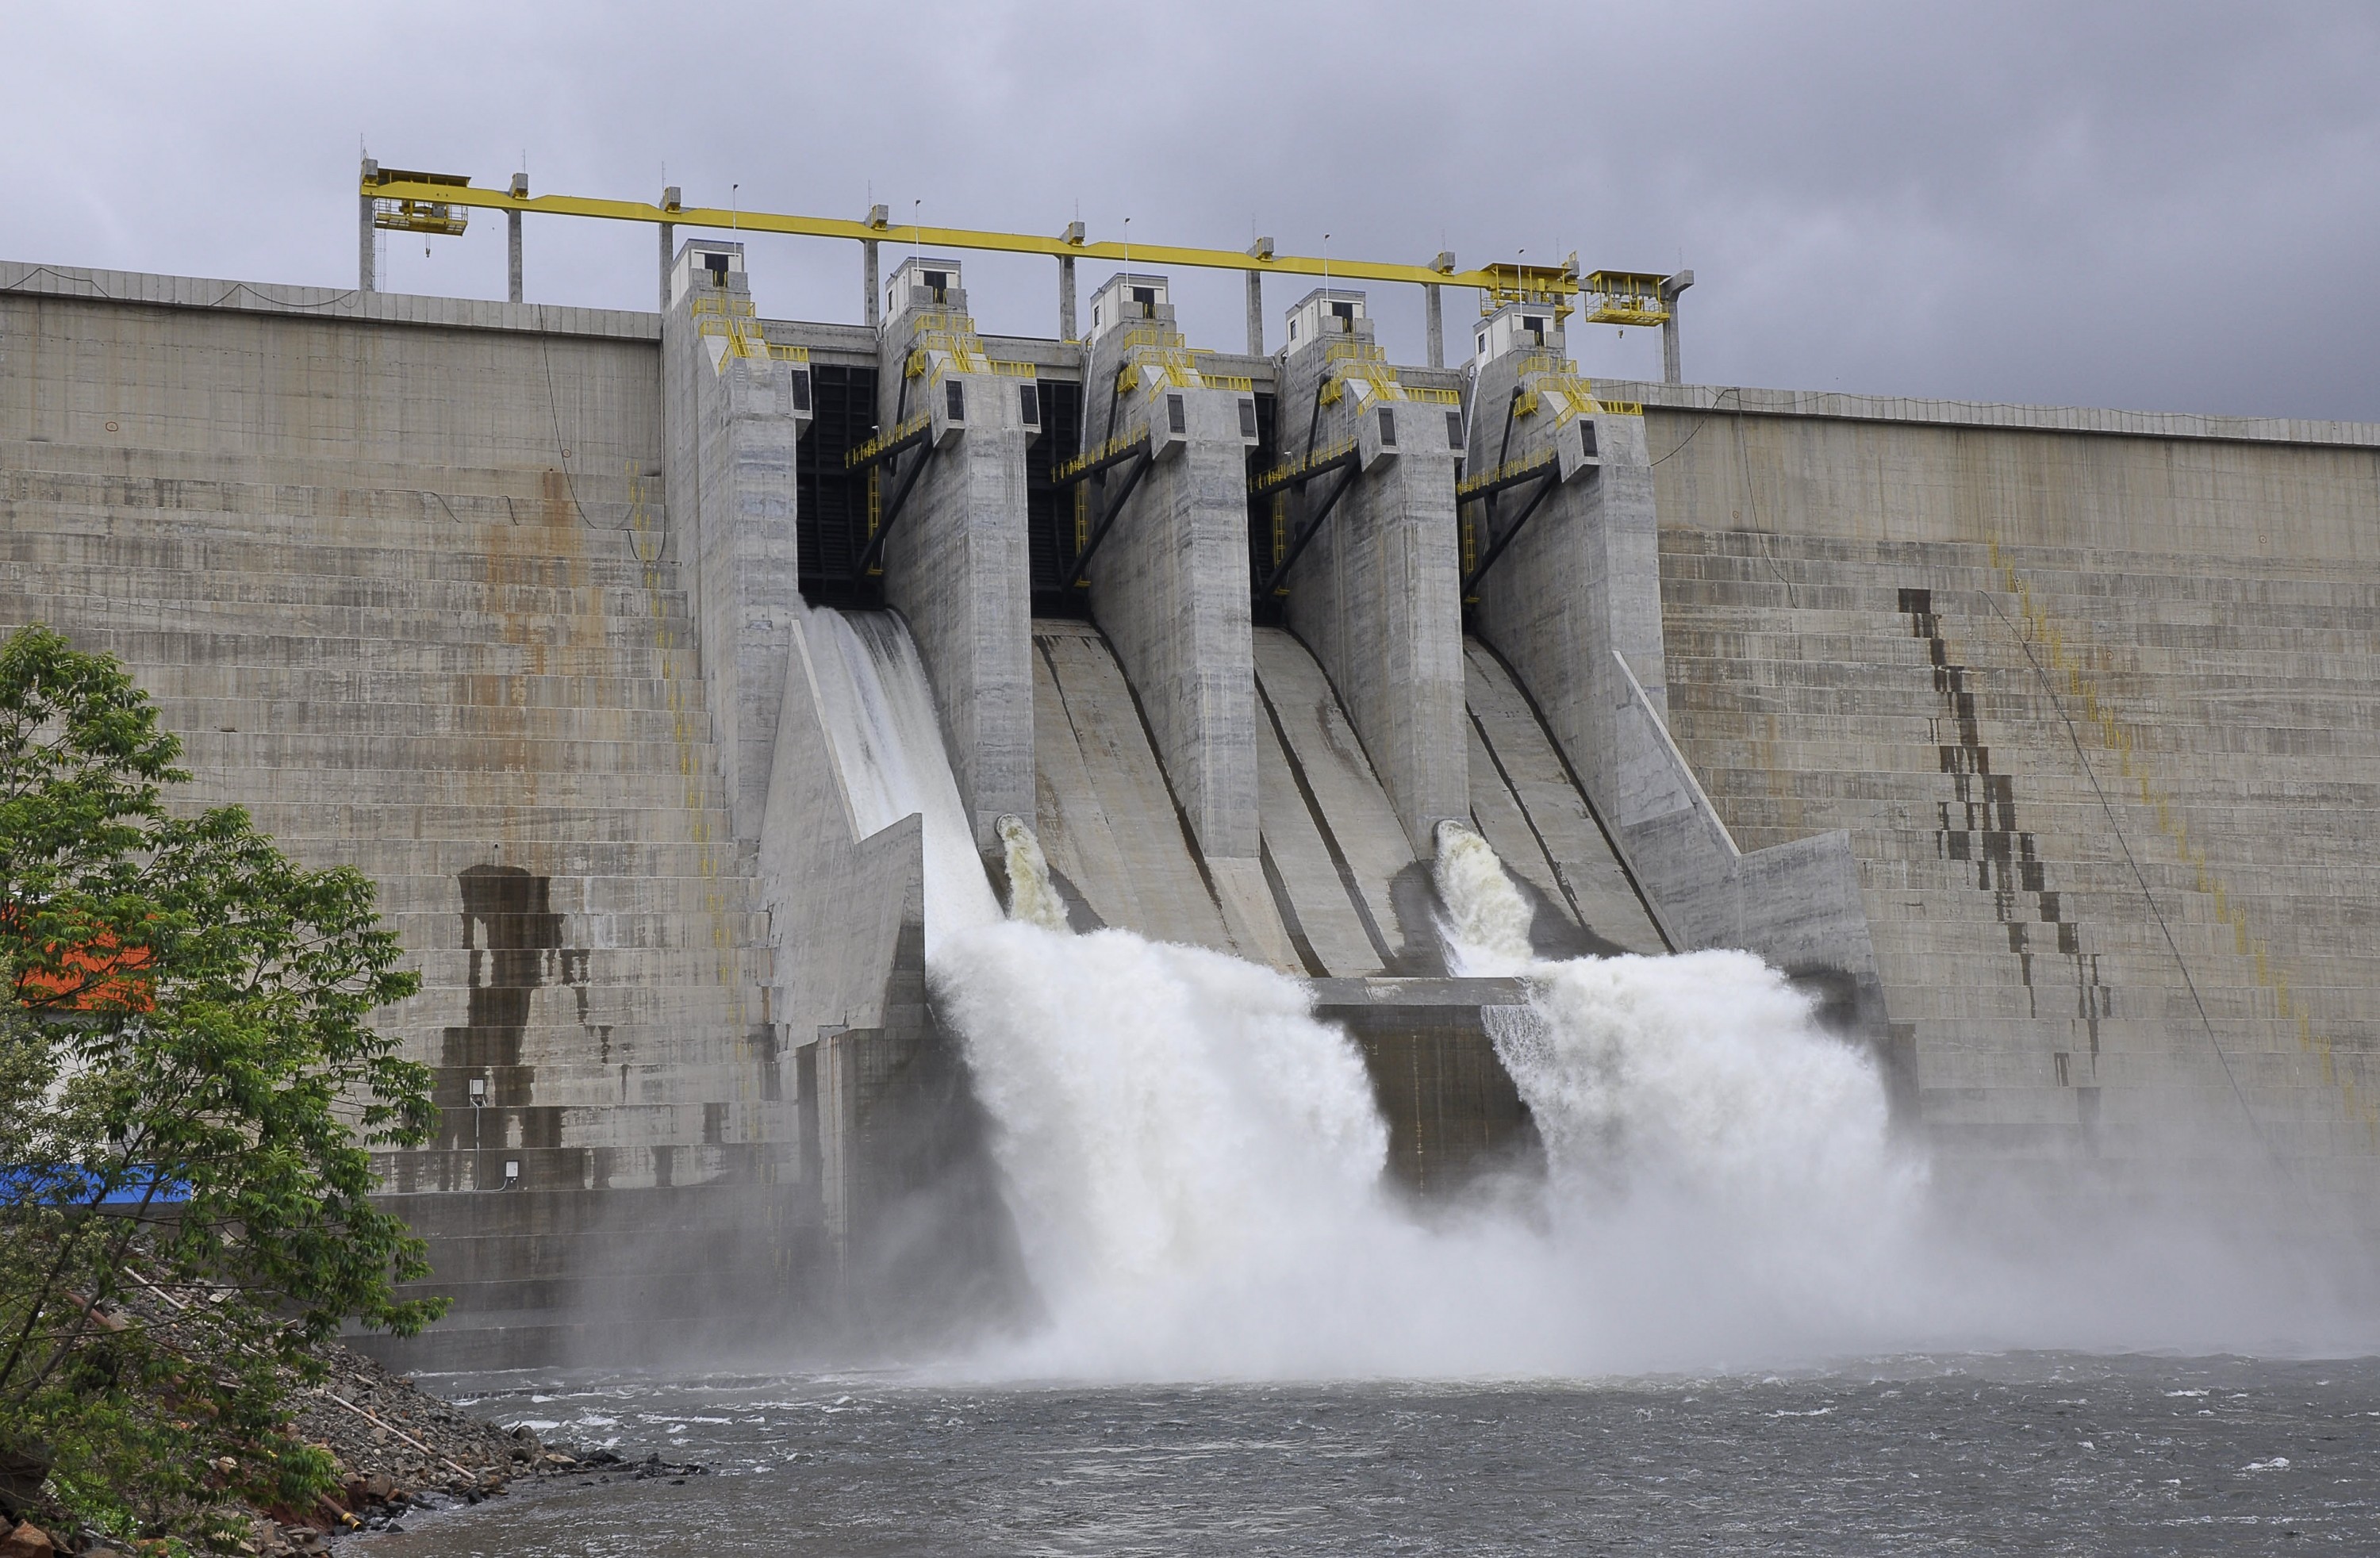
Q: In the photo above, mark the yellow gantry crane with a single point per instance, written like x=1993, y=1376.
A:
x=438, y=204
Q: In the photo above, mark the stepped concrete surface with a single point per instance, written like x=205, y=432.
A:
x=399, y=574
x=2096, y=696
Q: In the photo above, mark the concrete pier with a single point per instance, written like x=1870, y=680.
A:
x=1566, y=564
x=1169, y=582
x=954, y=554
x=734, y=413
x=1375, y=594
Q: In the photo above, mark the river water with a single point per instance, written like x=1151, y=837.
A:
x=2020, y=1452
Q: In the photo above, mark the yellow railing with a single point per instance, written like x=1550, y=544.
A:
x=1131, y=337
x=1106, y=451
x=1503, y=473
x=1282, y=475
x=884, y=441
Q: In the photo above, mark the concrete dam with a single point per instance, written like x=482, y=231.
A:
x=2034, y=746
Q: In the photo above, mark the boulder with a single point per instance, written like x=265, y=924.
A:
x=27, y=1541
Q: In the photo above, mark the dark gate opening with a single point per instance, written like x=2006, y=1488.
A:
x=831, y=524
x=1054, y=516
x=1268, y=536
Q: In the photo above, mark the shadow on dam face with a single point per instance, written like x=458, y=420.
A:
x=514, y=940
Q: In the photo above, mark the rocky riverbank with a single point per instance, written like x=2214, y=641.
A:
x=400, y=1449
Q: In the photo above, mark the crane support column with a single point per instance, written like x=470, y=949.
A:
x=1066, y=320
x=367, y=247
x=869, y=302
x=1433, y=325
x=513, y=240
x=1671, y=372
x=669, y=243
x=1262, y=249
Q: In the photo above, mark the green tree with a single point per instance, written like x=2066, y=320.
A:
x=190, y=1090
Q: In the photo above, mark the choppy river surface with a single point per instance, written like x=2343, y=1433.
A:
x=2033, y=1453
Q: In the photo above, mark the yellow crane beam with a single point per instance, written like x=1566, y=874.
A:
x=438, y=190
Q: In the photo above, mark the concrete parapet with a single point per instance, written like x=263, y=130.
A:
x=733, y=413
x=956, y=559
x=1376, y=593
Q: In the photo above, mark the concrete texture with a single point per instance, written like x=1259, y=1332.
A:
x=1168, y=585
x=956, y=564
x=1375, y=595
x=1531, y=810
x=1120, y=847
x=2091, y=693
x=395, y=569
x=1345, y=869
x=1573, y=607
x=1453, y=1114
x=733, y=414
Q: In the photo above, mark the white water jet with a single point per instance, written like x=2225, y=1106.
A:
x=1031, y=898
x=1487, y=926
x=878, y=710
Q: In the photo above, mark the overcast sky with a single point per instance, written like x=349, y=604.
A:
x=2169, y=205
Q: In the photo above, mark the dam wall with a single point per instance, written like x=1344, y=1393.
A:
x=2093, y=695
x=2035, y=745
x=396, y=570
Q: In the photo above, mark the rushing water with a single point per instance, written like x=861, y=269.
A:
x=1192, y=1162
x=2038, y=1454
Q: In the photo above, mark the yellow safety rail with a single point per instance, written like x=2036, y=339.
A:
x=883, y=441
x=1282, y=475
x=1625, y=298
x=434, y=214
x=1502, y=476
x=1105, y=452
x=1531, y=281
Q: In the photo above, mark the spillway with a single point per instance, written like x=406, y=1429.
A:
x=1193, y=1156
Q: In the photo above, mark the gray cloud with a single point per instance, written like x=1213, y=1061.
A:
x=2149, y=205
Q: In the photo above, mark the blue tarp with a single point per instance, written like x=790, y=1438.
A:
x=69, y=1184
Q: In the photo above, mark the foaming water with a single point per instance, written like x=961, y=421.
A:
x=1195, y=1163
x=1192, y=1162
